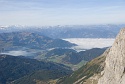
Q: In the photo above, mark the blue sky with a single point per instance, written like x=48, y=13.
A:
x=61, y=12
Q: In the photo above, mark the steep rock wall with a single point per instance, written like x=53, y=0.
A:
x=114, y=71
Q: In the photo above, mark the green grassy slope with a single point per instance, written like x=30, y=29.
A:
x=83, y=74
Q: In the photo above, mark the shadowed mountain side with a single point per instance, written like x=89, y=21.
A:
x=12, y=68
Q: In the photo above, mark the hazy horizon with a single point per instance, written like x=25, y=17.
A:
x=61, y=12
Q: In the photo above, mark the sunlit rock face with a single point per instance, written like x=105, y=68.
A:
x=114, y=71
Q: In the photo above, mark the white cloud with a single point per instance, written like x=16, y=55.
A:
x=17, y=53
x=88, y=43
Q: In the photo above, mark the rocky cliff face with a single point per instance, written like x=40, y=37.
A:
x=114, y=71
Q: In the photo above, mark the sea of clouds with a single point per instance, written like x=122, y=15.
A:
x=89, y=43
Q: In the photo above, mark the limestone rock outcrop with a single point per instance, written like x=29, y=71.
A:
x=114, y=71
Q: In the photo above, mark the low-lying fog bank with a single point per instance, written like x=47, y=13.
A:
x=89, y=43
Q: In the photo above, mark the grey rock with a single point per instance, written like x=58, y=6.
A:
x=114, y=71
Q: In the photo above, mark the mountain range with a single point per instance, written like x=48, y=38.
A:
x=69, y=31
x=31, y=40
x=45, y=68
x=40, y=47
